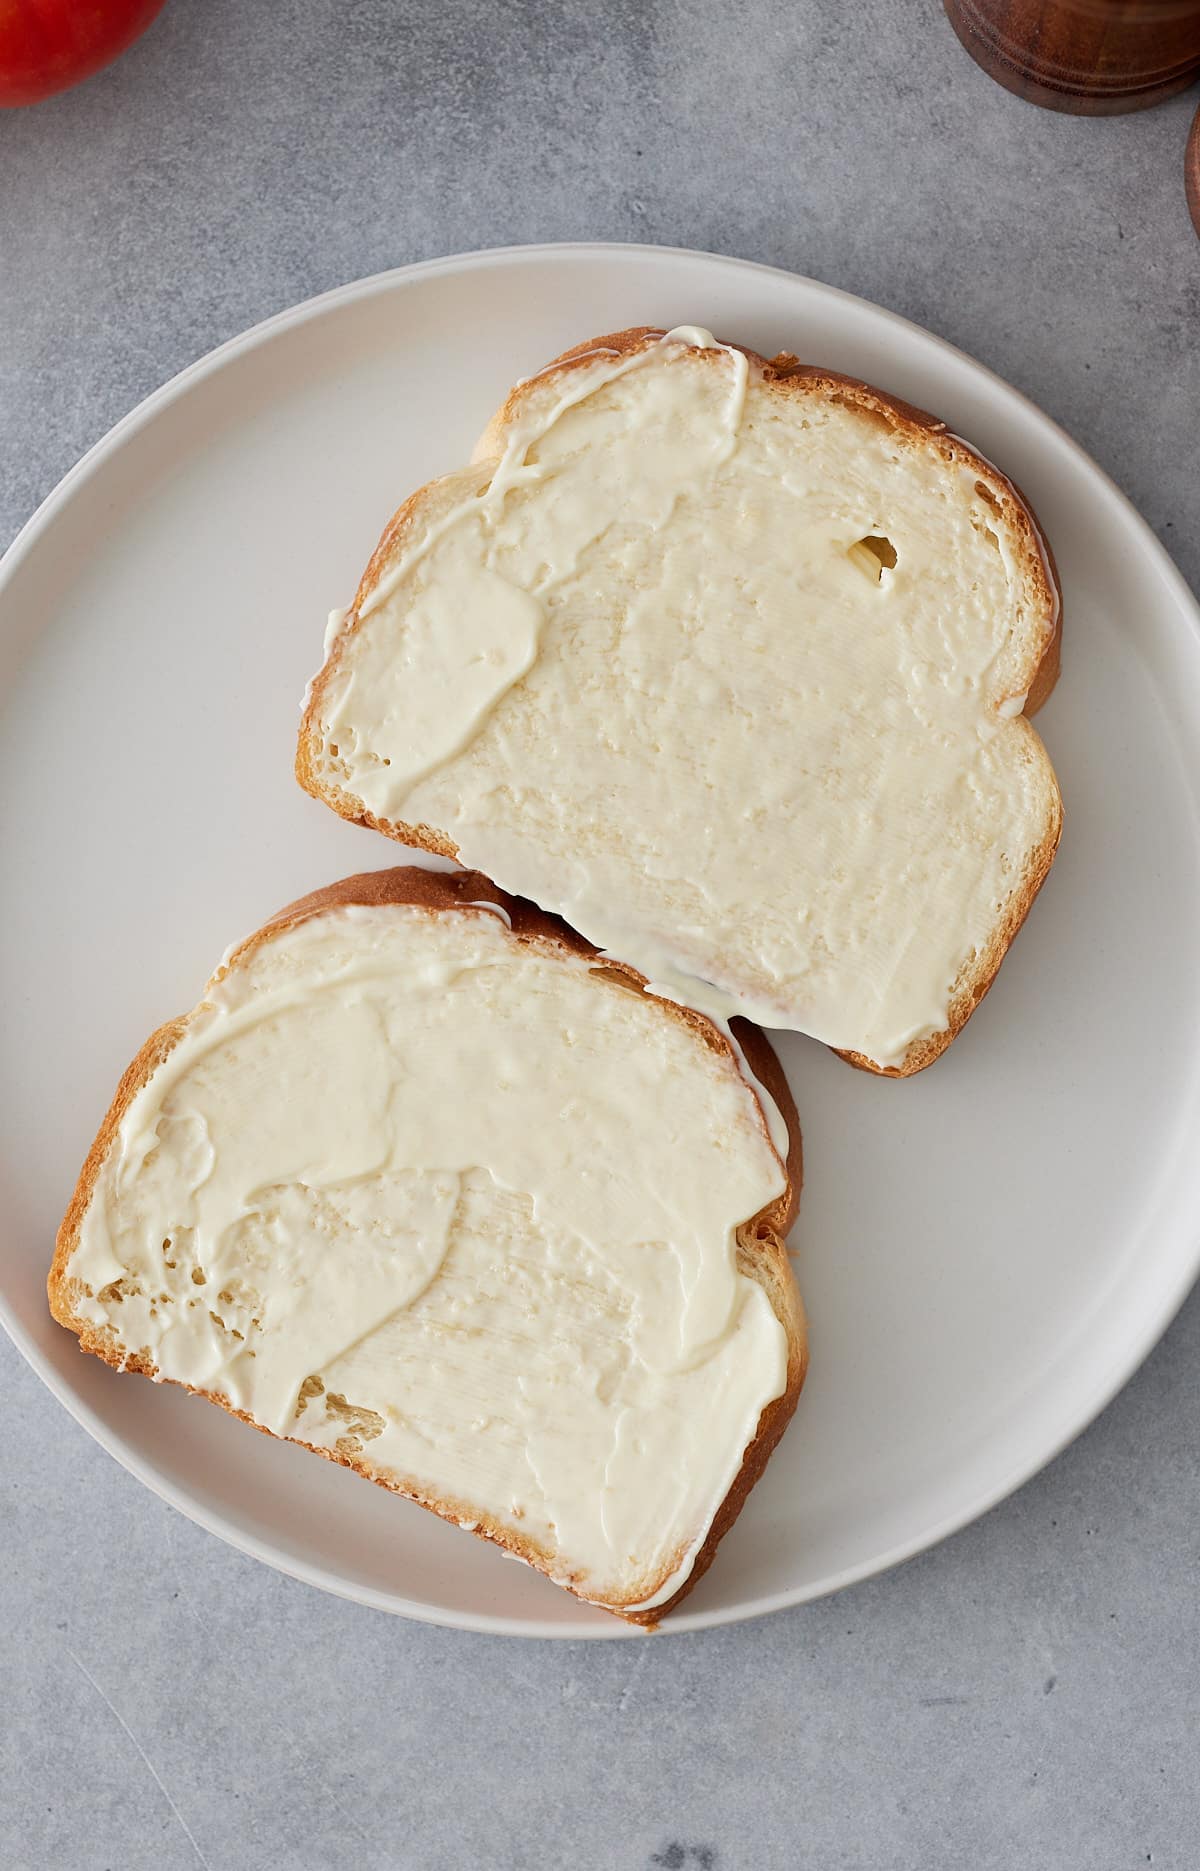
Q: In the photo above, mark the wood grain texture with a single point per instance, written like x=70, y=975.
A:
x=1091, y=58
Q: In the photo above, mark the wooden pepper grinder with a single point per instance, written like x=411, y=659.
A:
x=1092, y=57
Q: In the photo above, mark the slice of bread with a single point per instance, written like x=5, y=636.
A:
x=427, y=1186
x=728, y=662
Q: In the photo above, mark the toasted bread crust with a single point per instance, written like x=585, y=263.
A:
x=762, y=1255
x=791, y=378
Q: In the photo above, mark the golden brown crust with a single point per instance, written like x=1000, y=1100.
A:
x=762, y=1254
x=787, y=373
x=136, y=1074
x=1036, y=679
x=979, y=971
x=1050, y=668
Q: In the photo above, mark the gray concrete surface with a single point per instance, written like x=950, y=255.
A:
x=1023, y=1699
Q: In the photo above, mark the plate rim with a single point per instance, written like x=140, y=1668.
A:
x=1019, y=1470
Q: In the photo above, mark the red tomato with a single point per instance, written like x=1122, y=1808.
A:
x=49, y=45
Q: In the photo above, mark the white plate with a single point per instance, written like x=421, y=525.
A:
x=987, y=1251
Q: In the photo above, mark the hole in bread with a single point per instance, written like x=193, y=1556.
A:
x=986, y=495
x=311, y=1387
x=618, y=977
x=865, y=413
x=874, y=555
x=117, y=1290
x=362, y=1425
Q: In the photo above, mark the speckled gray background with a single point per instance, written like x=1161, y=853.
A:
x=1023, y=1699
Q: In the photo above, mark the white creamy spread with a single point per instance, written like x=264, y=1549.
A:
x=407, y=1188
x=649, y=670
